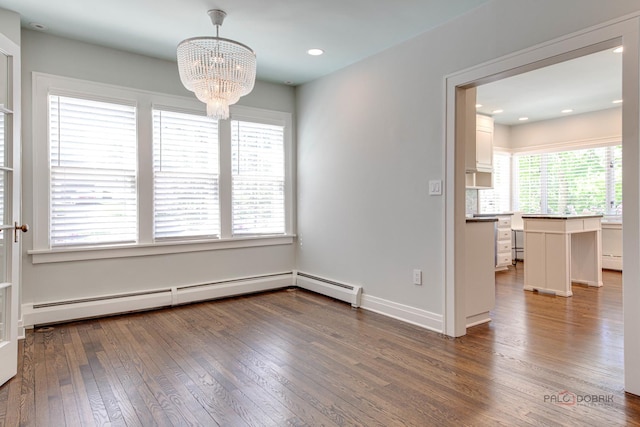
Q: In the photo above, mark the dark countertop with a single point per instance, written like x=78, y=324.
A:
x=483, y=219
x=545, y=216
x=477, y=215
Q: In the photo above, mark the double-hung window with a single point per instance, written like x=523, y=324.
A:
x=572, y=181
x=185, y=176
x=257, y=153
x=126, y=172
x=498, y=198
x=92, y=147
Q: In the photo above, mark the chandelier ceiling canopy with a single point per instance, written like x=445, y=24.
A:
x=219, y=71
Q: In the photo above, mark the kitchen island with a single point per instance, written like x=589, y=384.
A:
x=562, y=249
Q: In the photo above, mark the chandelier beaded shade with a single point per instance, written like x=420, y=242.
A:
x=219, y=71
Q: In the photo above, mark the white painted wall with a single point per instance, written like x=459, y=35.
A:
x=501, y=136
x=587, y=127
x=10, y=24
x=83, y=279
x=580, y=128
x=371, y=136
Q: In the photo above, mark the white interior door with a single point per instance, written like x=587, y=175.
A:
x=10, y=229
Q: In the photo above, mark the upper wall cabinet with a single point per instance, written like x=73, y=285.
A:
x=483, y=161
x=479, y=153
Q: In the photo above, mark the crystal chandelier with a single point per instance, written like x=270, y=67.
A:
x=219, y=71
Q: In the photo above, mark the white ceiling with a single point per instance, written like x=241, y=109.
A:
x=585, y=84
x=281, y=31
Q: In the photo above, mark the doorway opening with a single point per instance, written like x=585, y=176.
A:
x=622, y=33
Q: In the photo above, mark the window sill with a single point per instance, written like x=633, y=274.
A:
x=39, y=256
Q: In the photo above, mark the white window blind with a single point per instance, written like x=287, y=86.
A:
x=571, y=182
x=498, y=198
x=186, y=175
x=258, y=175
x=93, y=172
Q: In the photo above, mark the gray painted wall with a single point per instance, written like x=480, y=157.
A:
x=82, y=279
x=10, y=24
x=371, y=136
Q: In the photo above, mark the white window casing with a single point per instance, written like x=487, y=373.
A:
x=165, y=188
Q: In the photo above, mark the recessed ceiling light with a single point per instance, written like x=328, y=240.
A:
x=522, y=119
x=619, y=49
x=288, y=82
x=39, y=27
x=315, y=52
x=568, y=110
x=478, y=105
x=497, y=111
x=618, y=101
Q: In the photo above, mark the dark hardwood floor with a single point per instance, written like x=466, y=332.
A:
x=295, y=358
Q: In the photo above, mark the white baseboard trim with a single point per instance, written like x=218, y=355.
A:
x=478, y=319
x=405, y=313
x=610, y=262
x=21, y=329
x=64, y=311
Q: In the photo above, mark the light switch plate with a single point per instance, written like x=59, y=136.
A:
x=435, y=187
x=417, y=277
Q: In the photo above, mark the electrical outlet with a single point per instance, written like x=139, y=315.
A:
x=417, y=277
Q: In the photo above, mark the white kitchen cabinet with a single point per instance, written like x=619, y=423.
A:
x=480, y=296
x=612, y=246
x=484, y=144
x=503, y=242
x=479, y=154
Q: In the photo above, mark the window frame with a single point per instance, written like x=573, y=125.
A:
x=609, y=179
x=116, y=171
x=156, y=238
x=612, y=141
x=145, y=101
x=275, y=123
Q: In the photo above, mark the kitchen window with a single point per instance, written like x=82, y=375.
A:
x=576, y=181
x=121, y=172
x=498, y=198
x=570, y=181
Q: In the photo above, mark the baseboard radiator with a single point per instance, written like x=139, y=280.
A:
x=341, y=291
x=84, y=308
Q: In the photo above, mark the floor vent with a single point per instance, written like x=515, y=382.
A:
x=342, y=291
